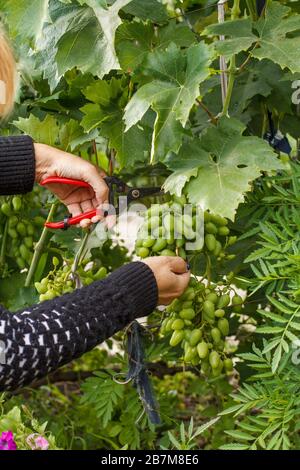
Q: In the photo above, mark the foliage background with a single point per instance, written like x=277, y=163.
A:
x=89, y=75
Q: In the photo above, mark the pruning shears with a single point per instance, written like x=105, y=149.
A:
x=116, y=187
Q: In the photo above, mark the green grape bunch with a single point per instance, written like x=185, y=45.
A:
x=61, y=279
x=19, y=231
x=170, y=230
x=198, y=321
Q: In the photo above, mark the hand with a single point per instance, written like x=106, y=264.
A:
x=54, y=162
x=172, y=277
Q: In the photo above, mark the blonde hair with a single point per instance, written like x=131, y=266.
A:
x=7, y=76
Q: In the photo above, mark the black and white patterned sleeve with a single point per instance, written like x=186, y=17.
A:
x=46, y=336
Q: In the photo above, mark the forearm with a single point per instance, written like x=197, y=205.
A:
x=49, y=335
x=17, y=165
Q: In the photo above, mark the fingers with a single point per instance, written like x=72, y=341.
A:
x=182, y=281
x=99, y=186
x=74, y=209
x=178, y=265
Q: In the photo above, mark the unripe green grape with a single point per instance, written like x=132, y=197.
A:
x=211, y=228
x=214, y=359
x=218, y=220
x=210, y=242
x=216, y=335
x=13, y=233
x=143, y=252
x=187, y=304
x=182, y=253
x=195, y=337
x=202, y=349
x=209, y=308
x=176, y=337
x=232, y=240
x=178, y=324
x=237, y=300
x=218, y=248
x=187, y=313
x=223, y=326
x=159, y=245
x=190, y=354
x=17, y=203
x=212, y=296
x=223, y=231
x=6, y=209
x=12, y=222
x=228, y=364
x=28, y=241
x=148, y=242
x=223, y=301
x=21, y=229
x=30, y=229
x=167, y=252
x=100, y=274
x=180, y=242
x=219, y=313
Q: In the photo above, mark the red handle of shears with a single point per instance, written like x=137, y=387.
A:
x=69, y=221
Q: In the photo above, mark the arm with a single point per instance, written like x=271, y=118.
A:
x=44, y=337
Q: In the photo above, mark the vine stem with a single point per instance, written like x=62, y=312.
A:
x=231, y=81
x=39, y=248
x=80, y=252
x=235, y=12
x=3, y=245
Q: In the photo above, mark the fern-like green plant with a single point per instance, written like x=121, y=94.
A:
x=267, y=410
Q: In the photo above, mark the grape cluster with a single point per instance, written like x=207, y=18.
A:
x=198, y=321
x=61, y=280
x=20, y=231
x=168, y=228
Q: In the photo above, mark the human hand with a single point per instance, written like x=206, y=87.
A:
x=53, y=162
x=172, y=276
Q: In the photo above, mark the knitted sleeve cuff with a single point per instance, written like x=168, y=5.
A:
x=141, y=287
x=17, y=165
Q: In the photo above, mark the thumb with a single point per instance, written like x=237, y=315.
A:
x=178, y=265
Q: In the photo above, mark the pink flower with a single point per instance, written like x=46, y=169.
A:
x=7, y=441
x=37, y=442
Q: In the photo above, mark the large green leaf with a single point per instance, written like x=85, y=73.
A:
x=89, y=42
x=25, y=19
x=106, y=113
x=268, y=34
x=135, y=40
x=227, y=162
x=44, y=132
x=152, y=10
x=176, y=77
x=80, y=35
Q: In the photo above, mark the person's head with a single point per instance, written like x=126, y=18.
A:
x=7, y=76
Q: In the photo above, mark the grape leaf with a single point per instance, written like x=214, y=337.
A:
x=172, y=94
x=25, y=19
x=72, y=136
x=227, y=164
x=106, y=113
x=152, y=10
x=44, y=132
x=135, y=40
x=270, y=38
x=88, y=43
x=79, y=36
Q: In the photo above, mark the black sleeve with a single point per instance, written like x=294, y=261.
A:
x=17, y=165
x=42, y=338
